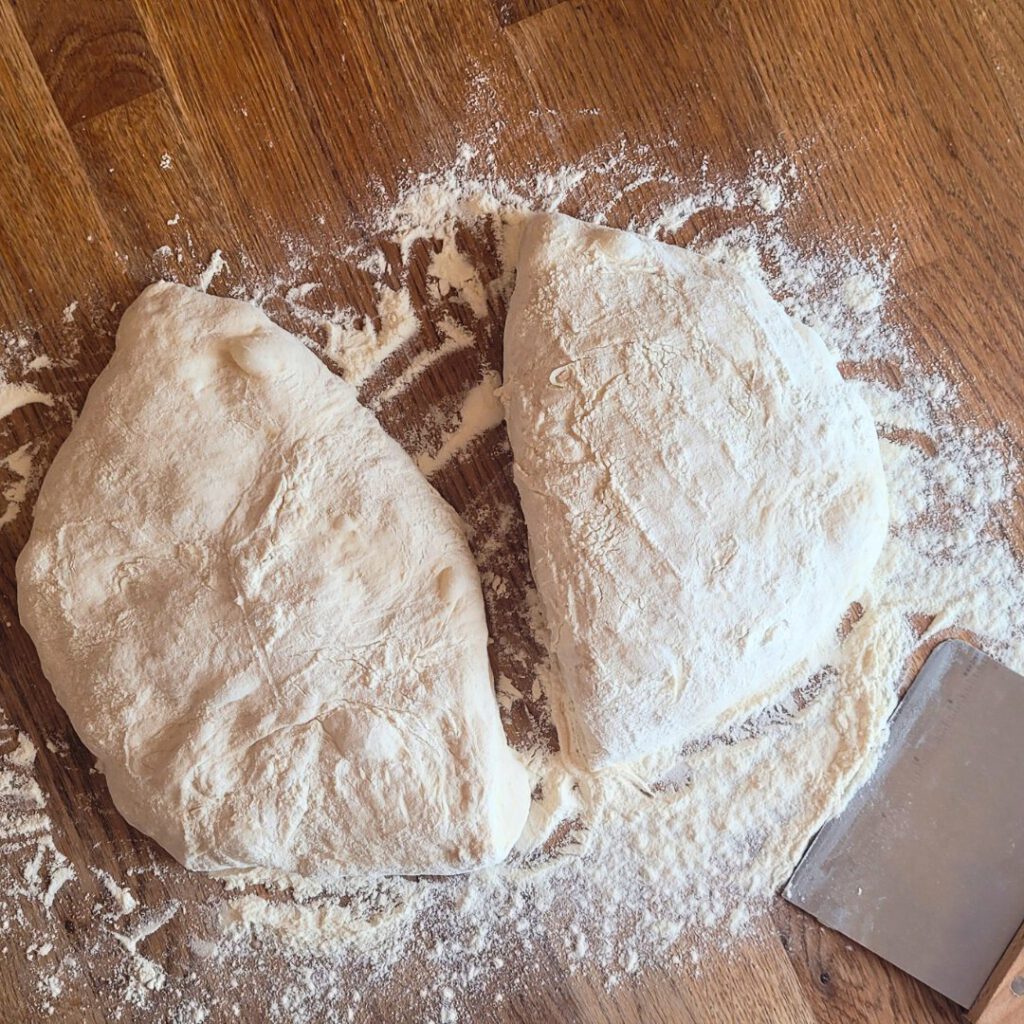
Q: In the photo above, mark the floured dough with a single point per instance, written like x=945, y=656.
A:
x=259, y=616
x=703, y=494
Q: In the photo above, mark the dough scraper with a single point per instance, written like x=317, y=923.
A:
x=925, y=866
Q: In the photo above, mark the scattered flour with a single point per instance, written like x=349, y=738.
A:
x=861, y=294
x=146, y=975
x=14, y=396
x=481, y=411
x=321, y=925
x=453, y=272
x=455, y=338
x=213, y=268
x=18, y=463
x=32, y=868
x=124, y=901
x=625, y=869
x=357, y=346
x=17, y=472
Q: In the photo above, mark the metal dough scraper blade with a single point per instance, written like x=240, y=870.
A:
x=925, y=867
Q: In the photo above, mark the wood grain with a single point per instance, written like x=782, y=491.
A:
x=94, y=56
x=282, y=121
x=1001, y=999
x=511, y=11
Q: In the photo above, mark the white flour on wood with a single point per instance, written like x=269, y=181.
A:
x=14, y=396
x=358, y=345
x=618, y=871
x=481, y=411
x=17, y=470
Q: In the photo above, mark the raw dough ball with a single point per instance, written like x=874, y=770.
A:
x=260, y=618
x=703, y=494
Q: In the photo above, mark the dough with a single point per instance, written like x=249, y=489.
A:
x=703, y=494
x=259, y=616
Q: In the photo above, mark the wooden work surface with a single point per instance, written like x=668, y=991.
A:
x=904, y=116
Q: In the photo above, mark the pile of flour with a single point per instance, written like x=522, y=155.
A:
x=621, y=870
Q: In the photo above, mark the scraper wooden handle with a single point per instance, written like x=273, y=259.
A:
x=1001, y=1001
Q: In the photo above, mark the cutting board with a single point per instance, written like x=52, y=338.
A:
x=282, y=121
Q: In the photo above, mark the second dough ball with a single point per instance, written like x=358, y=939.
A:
x=703, y=492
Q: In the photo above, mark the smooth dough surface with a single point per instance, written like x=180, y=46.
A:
x=703, y=493
x=260, y=617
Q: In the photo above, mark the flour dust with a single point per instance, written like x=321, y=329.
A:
x=627, y=869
